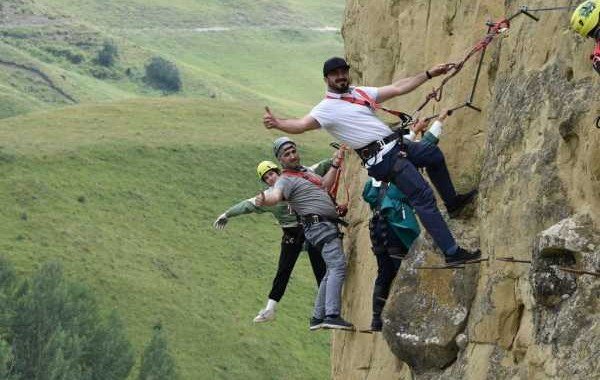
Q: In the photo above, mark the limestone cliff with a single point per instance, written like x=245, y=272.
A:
x=534, y=154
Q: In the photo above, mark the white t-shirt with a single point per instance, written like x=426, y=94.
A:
x=353, y=124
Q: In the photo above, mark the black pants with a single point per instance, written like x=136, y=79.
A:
x=292, y=242
x=385, y=245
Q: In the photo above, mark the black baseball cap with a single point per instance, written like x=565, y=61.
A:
x=334, y=63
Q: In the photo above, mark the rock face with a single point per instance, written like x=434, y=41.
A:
x=534, y=154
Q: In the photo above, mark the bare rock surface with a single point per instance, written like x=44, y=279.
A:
x=534, y=154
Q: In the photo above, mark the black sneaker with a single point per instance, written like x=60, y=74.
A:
x=462, y=255
x=376, y=323
x=460, y=202
x=315, y=323
x=337, y=323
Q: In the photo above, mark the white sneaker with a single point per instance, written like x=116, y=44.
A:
x=265, y=315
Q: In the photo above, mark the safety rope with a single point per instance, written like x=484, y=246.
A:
x=342, y=208
x=494, y=30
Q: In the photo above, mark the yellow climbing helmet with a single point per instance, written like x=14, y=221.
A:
x=264, y=167
x=586, y=17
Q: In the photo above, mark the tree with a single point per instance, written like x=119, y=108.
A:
x=163, y=74
x=108, y=54
x=157, y=363
x=58, y=334
x=111, y=354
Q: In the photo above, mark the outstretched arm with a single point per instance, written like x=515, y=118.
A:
x=244, y=207
x=269, y=198
x=406, y=85
x=291, y=126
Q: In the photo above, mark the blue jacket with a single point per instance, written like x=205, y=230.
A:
x=396, y=210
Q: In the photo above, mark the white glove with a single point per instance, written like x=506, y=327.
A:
x=221, y=221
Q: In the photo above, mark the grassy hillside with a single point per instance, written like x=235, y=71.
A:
x=121, y=183
x=124, y=195
x=268, y=51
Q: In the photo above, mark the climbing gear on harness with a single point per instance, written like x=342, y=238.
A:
x=368, y=101
x=598, y=122
x=314, y=218
x=586, y=17
x=279, y=143
x=264, y=167
x=369, y=151
x=379, y=242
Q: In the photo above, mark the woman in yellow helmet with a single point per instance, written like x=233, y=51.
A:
x=292, y=240
x=586, y=22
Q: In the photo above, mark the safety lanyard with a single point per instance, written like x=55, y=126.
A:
x=312, y=178
x=368, y=102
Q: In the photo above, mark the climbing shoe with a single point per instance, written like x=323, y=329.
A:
x=460, y=202
x=265, y=315
x=337, y=323
x=376, y=323
x=315, y=323
x=462, y=255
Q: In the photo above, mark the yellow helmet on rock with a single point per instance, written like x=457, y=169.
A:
x=586, y=17
x=264, y=167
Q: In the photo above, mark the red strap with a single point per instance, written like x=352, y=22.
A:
x=313, y=178
x=596, y=54
x=494, y=30
x=368, y=102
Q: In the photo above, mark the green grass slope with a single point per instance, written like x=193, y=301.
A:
x=124, y=196
x=269, y=51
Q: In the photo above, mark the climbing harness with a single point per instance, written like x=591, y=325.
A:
x=314, y=179
x=405, y=120
x=341, y=209
x=368, y=101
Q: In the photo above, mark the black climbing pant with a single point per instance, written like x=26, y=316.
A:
x=389, y=250
x=292, y=243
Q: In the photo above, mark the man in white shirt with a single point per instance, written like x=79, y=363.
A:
x=348, y=114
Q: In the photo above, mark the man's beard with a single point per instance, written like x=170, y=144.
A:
x=340, y=88
x=343, y=87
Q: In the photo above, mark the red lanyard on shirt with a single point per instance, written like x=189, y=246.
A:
x=312, y=178
x=368, y=102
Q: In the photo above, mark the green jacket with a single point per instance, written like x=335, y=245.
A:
x=396, y=211
x=280, y=211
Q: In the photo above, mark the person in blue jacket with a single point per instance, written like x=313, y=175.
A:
x=393, y=226
x=393, y=229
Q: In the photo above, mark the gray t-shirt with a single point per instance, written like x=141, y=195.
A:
x=305, y=197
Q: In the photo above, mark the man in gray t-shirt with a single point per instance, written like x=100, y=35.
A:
x=306, y=192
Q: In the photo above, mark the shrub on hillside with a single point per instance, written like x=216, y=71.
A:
x=108, y=55
x=69, y=53
x=163, y=74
